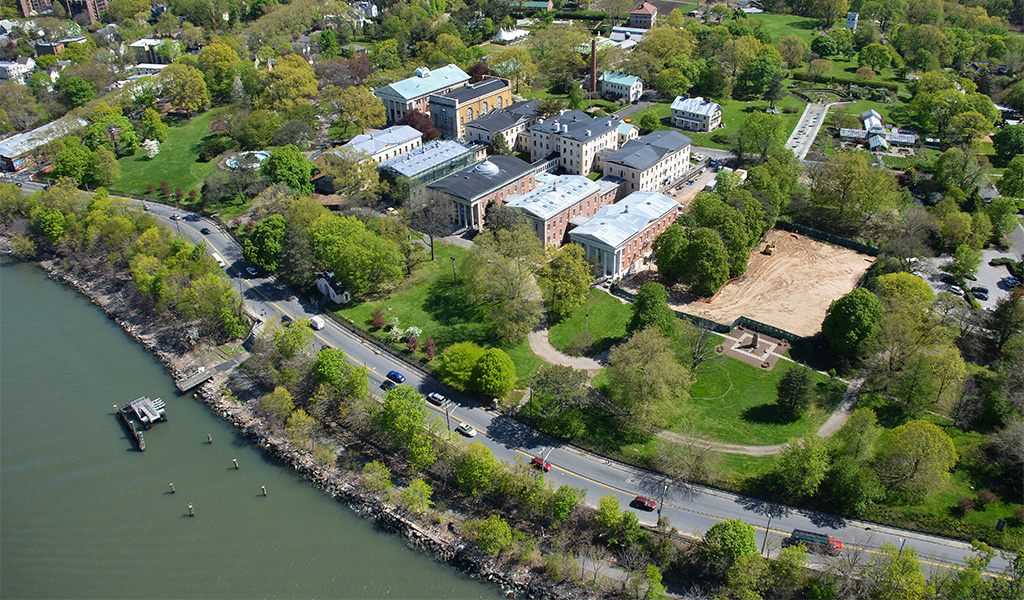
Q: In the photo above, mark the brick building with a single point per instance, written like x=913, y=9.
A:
x=451, y=111
x=473, y=188
x=552, y=206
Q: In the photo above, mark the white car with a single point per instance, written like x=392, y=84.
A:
x=955, y=289
x=466, y=429
x=435, y=398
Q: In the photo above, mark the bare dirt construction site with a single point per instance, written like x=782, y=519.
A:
x=790, y=290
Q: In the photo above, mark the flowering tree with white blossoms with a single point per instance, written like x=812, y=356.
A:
x=152, y=148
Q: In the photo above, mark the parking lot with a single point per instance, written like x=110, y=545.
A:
x=993, y=278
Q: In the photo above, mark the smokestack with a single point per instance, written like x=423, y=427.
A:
x=593, y=66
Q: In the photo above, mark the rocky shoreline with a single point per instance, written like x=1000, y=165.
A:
x=153, y=332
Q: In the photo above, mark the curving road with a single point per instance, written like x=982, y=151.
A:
x=690, y=508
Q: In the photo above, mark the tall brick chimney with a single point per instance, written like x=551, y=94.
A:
x=593, y=66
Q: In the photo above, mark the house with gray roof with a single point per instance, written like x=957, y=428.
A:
x=620, y=85
x=512, y=122
x=574, y=138
x=388, y=143
x=551, y=207
x=652, y=162
x=696, y=114
x=620, y=235
x=413, y=93
x=493, y=180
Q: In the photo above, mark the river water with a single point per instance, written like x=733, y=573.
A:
x=85, y=515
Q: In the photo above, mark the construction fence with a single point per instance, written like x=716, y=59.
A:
x=831, y=238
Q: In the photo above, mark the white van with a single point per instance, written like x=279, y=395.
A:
x=220, y=261
x=317, y=323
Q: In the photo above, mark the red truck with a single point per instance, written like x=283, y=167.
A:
x=815, y=542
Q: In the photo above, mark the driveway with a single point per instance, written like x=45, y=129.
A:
x=631, y=109
x=807, y=129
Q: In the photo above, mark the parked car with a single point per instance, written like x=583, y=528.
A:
x=541, y=464
x=981, y=295
x=317, y=323
x=435, y=398
x=1012, y=282
x=396, y=377
x=947, y=278
x=205, y=231
x=642, y=503
x=466, y=429
x=955, y=289
x=979, y=290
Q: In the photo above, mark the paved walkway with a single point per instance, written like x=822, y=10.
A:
x=807, y=129
x=541, y=346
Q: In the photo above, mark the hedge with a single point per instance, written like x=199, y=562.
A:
x=847, y=79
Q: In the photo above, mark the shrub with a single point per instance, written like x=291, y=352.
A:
x=165, y=189
x=413, y=343
x=430, y=349
x=377, y=317
x=966, y=505
x=986, y=497
x=1019, y=515
x=214, y=146
x=149, y=188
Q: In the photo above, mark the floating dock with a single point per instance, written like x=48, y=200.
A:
x=146, y=412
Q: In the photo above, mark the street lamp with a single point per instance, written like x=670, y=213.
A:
x=455, y=278
x=902, y=541
x=587, y=323
x=660, y=508
x=448, y=419
x=766, y=530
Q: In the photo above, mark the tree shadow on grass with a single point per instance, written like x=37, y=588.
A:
x=451, y=307
x=767, y=414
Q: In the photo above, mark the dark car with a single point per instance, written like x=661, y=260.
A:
x=205, y=231
x=251, y=271
x=542, y=464
x=947, y=278
x=396, y=376
x=388, y=384
x=981, y=295
x=642, y=503
x=979, y=290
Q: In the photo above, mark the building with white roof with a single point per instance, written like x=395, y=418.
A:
x=552, y=206
x=431, y=161
x=510, y=36
x=620, y=85
x=621, y=34
x=17, y=70
x=871, y=119
x=388, y=143
x=575, y=138
x=696, y=114
x=15, y=150
x=620, y=235
x=413, y=93
x=145, y=50
x=650, y=163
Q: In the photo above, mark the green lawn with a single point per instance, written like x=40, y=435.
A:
x=734, y=113
x=176, y=164
x=430, y=301
x=608, y=319
x=783, y=25
x=734, y=402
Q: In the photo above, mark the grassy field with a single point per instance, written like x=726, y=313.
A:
x=734, y=113
x=782, y=25
x=734, y=402
x=176, y=164
x=608, y=319
x=430, y=301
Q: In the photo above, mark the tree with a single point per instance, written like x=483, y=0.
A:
x=895, y=574
x=1009, y=143
x=256, y=129
x=513, y=63
x=77, y=90
x=759, y=75
x=966, y=261
x=645, y=375
x=728, y=541
x=708, y=260
x=153, y=126
x=354, y=106
x=792, y=49
x=1012, y=182
x=432, y=216
x=359, y=258
x=959, y=168
x=647, y=119
x=1002, y=212
x=820, y=69
x=564, y=387
x=802, y=465
x=914, y=458
x=1007, y=319
x=875, y=56
x=218, y=63
x=74, y=162
x=499, y=146
x=830, y=10
x=850, y=320
x=421, y=123
x=824, y=46
x=288, y=166
x=417, y=496
x=494, y=373
x=851, y=192
x=795, y=392
x=672, y=82
x=493, y=535
x=967, y=127
x=115, y=132
x=650, y=309
x=300, y=428
x=760, y=133
x=477, y=472
x=104, y=169
x=278, y=403
x=292, y=340
x=456, y=363
x=403, y=415
x=508, y=293
x=291, y=81
x=353, y=173
x=184, y=87
x=568, y=277
x=376, y=476
x=263, y=244
x=52, y=223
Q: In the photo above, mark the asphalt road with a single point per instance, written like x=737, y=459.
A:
x=690, y=508
x=806, y=129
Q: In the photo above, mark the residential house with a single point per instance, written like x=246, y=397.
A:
x=17, y=70
x=650, y=163
x=851, y=21
x=352, y=50
x=15, y=151
x=452, y=110
x=414, y=93
x=332, y=290
x=643, y=16
x=696, y=114
x=493, y=180
x=620, y=85
x=388, y=143
x=552, y=207
x=512, y=121
x=619, y=236
x=430, y=161
x=575, y=138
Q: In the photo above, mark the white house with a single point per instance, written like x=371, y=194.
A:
x=625, y=86
x=332, y=290
x=17, y=70
x=696, y=114
x=413, y=93
x=651, y=162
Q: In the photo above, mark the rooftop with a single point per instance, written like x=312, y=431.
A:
x=473, y=91
x=425, y=82
x=646, y=8
x=619, y=78
x=697, y=106
x=577, y=125
x=500, y=120
x=372, y=143
x=472, y=182
x=426, y=157
x=648, y=150
x=145, y=43
x=16, y=145
x=549, y=200
x=615, y=224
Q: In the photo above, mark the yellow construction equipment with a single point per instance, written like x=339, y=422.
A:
x=769, y=249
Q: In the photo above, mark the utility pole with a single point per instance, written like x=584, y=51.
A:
x=660, y=508
x=455, y=277
x=766, y=529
